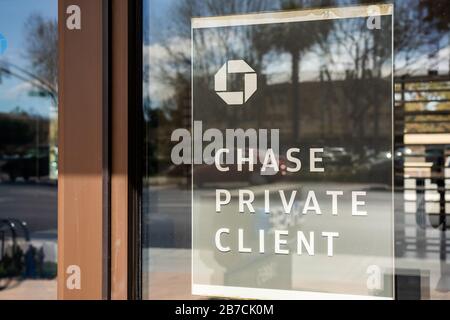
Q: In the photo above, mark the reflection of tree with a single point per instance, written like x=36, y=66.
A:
x=160, y=123
x=217, y=43
x=19, y=131
x=416, y=33
x=42, y=53
x=174, y=72
x=296, y=39
x=362, y=53
x=178, y=32
x=437, y=12
x=43, y=88
x=437, y=15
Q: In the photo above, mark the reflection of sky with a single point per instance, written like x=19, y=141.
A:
x=158, y=13
x=155, y=13
x=13, y=15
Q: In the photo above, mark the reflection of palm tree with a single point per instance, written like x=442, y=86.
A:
x=296, y=39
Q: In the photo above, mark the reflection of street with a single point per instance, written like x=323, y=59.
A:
x=30, y=202
x=167, y=217
x=28, y=261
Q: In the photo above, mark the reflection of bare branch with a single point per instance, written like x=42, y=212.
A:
x=42, y=53
x=28, y=77
x=415, y=33
x=179, y=28
x=42, y=49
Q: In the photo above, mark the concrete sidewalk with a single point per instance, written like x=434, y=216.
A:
x=30, y=290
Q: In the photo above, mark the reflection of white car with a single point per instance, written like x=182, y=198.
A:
x=336, y=156
x=380, y=157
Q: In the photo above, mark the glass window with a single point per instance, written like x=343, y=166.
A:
x=360, y=144
x=28, y=149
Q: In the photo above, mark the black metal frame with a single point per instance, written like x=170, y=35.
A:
x=106, y=145
x=135, y=147
x=407, y=289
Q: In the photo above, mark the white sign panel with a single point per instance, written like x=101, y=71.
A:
x=292, y=182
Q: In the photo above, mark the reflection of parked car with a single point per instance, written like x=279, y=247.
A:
x=336, y=156
x=35, y=163
x=377, y=167
x=434, y=155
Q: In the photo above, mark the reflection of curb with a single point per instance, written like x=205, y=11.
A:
x=45, y=183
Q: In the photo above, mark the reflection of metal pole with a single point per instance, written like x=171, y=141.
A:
x=12, y=228
x=322, y=106
x=444, y=281
x=3, y=245
x=421, y=226
x=37, y=147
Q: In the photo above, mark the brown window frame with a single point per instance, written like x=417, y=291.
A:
x=100, y=126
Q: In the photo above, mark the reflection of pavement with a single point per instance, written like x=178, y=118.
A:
x=174, y=205
x=33, y=203
x=167, y=273
x=30, y=290
x=167, y=216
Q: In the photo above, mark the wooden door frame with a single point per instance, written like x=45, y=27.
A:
x=100, y=126
x=83, y=185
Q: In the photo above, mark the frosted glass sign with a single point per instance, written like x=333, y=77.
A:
x=292, y=182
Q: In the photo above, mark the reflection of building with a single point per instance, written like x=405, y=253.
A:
x=322, y=120
x=422, y=145
x=331, y=111
x=25, y=147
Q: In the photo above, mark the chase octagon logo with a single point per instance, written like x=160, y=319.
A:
x=250, y=82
